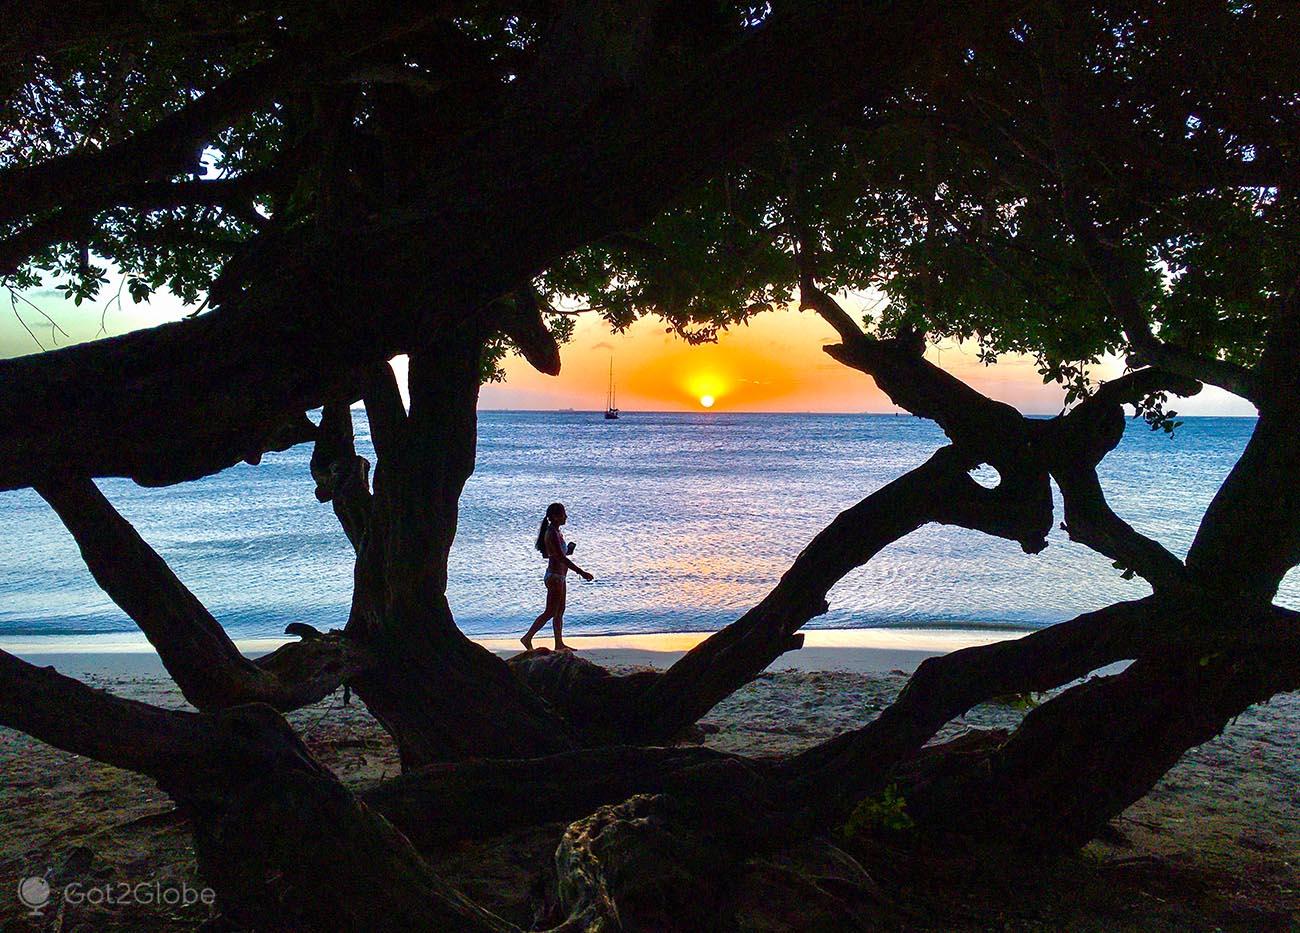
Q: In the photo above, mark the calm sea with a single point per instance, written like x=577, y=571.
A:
x=686, y=520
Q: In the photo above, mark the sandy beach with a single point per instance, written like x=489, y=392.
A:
x=1215, y=846
x=857, y=650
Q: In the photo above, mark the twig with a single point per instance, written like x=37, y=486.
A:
x=103, y=314
x=54, y=325
x=14, y=303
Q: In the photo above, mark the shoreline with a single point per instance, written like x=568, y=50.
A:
x=860, y=651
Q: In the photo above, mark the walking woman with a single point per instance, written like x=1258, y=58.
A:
x=551, y=543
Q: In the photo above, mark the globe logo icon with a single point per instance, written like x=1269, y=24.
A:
x=34, y=893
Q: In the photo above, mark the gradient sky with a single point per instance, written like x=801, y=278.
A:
x=774, y=363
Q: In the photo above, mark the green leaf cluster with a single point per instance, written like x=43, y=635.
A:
x=886, y=812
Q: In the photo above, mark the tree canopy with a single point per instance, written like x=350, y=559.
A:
x=950, y=193
x=1020, y=192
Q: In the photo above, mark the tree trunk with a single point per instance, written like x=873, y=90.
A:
x=1249, y=537
x=438, y=694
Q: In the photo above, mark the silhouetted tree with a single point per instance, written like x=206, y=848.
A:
x=1067, y=181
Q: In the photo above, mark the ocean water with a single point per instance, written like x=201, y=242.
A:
x=686, y=520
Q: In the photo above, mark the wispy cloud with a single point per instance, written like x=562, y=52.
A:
x=603, y=345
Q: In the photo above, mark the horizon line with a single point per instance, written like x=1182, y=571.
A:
x=715, y=412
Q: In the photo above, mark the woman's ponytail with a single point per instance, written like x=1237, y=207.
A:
x=553, y=512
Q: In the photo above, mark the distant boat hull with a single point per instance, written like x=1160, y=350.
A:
x=611, y=414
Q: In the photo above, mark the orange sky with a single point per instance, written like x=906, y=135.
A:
x=775, y=363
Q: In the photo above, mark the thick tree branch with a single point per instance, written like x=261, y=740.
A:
x=805, y=257
x=1073, y=446
x=193, y=646
x=1090, y=520
x=195, y=649
x=813, y=298
x=1082, y=757
x=534, y=791
x=945, y=687
x=1153, y=351
x=1101, y=407
x=283, y=842
x=992, y=431
x=167, y=745
x=521, y=320
x=938, y=491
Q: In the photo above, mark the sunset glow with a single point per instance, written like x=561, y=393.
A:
x=773, y=363
x=707, y=386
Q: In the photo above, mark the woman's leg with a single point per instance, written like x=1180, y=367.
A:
x=551, y=601
x=557, y=622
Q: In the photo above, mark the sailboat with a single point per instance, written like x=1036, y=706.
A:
x=611, y=400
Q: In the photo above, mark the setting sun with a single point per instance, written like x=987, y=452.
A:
x=710, y=384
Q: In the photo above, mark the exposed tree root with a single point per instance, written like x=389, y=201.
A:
x=565, y=787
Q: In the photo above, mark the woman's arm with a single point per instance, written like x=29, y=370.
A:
x=575, y=567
